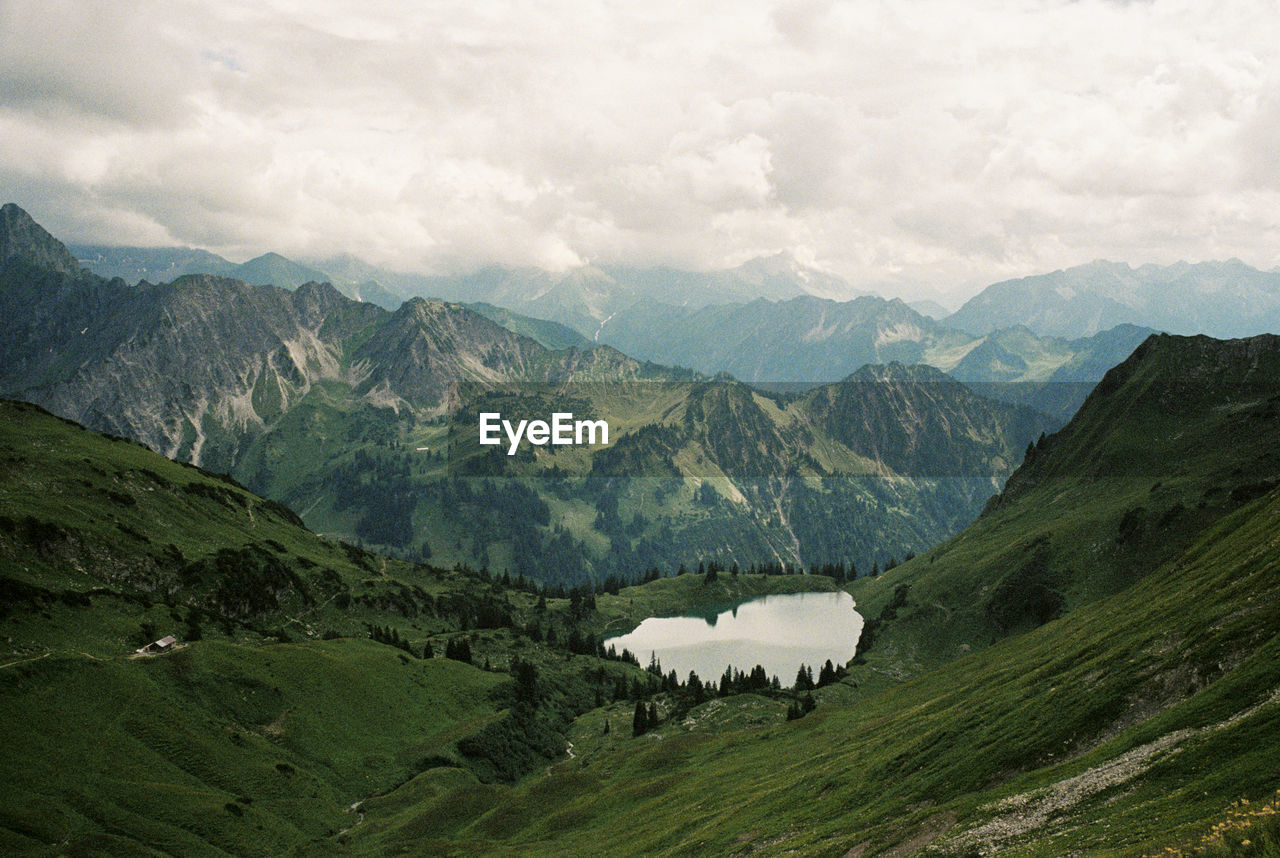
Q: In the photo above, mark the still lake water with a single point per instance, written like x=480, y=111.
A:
x=780, y=632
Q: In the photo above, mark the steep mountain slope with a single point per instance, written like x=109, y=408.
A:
x=1221, y=299
x=198, y=367
x=23, y=241
x=553, y=335
x=1171, y=441
x=192, y=368
x=891, y=414
x=272, y=269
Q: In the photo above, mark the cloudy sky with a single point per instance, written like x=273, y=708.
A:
x=909, y=146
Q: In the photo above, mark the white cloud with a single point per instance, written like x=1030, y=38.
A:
x=902, y=145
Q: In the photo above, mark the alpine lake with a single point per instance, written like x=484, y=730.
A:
x=779, y=632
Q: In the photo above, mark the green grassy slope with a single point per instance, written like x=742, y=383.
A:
x=1174, y=439
x=256, y=733
x=219, y=746
x=277, y=711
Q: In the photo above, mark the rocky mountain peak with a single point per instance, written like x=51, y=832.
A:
x=24, y=240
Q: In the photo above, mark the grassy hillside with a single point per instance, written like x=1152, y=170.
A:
x=275, y=712
x=1174, y=439
x=298, y=685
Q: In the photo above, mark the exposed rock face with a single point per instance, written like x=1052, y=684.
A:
x=198, y=367
x=192, y=369
x=425, y=348
x=24, y=241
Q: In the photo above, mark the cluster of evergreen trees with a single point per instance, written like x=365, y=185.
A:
x=645, y=718
x=382, y=486
x=683, y=696
x=828, y=674
x=800, y=707
x=391, y=637
x=458, y=649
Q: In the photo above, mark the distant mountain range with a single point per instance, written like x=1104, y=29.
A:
x=596, y=290
x=350, y=276
x=1220, y=299
x=765, y=321
x=345, y=411
x=809, y=339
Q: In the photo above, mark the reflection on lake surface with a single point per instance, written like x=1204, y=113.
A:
x=779, y=632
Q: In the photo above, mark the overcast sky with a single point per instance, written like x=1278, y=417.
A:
x=906, y=146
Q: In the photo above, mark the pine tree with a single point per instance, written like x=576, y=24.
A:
x=526, y=681
x=827, y=675
x=639, y=721
x=695, y=688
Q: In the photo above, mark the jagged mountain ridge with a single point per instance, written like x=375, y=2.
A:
x=802, y=339
x=206, y=357
x=23, y=240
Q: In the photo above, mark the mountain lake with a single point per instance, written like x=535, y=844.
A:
x=780, y=632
